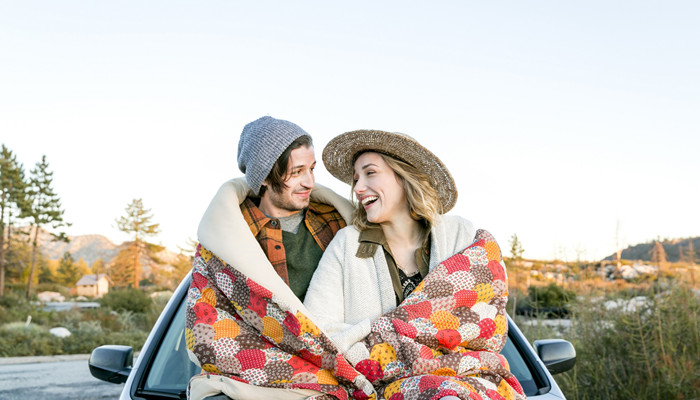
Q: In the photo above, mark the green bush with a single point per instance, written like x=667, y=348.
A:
x=129, y=299
x=551, y=295
x=516, y=298
x=14, y=307
x=135, y=339
x=85, y=337
x=159, y=303
x=11, y=299
x=89, y=334
x=16, y=340
x=107, y=318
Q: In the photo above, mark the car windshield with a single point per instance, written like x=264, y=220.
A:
x=172, y=369
x=519, y=367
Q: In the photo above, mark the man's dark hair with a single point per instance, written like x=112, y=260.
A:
x=275, y=179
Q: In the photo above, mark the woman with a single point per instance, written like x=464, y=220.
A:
x=413, y=299
x=399, y=232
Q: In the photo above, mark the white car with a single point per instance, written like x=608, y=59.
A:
x=163, y=369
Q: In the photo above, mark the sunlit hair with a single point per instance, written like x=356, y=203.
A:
x=422, y=198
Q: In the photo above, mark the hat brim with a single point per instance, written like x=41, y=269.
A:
x=339, y=156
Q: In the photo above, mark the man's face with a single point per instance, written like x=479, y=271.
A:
x=297, y=193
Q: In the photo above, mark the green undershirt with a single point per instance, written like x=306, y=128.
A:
x=303, y=255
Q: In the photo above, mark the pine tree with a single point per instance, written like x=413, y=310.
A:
x=516, y=252
x=83, y=268
x=121, y=269
x=138, y=223
x=516, y=248
x=44, y=210
x=16, y=260
x=98, y=267
x=691, y=252
x=181, y=267
x=658, y=256
x=46, y=275
x=12, y=198
x=68, y=270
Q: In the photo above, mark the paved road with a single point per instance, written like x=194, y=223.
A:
x=43, y=378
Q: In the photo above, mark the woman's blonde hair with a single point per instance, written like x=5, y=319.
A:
x=423, y=202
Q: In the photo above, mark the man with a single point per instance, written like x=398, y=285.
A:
x=278, y=160
x=279, y=209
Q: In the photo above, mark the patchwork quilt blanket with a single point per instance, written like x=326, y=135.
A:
x=443, y=339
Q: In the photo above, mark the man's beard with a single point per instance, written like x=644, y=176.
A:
x=283, y=202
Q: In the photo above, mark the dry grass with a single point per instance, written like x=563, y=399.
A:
x=650, y=351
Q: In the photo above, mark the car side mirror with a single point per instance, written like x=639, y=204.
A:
x=111, y=363
x=557, y=355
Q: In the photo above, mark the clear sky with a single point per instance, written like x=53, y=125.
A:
x=560, y=121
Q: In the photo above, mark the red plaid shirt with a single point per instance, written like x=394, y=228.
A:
x=322, y=220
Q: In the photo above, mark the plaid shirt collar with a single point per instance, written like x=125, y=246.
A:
x=257, y=220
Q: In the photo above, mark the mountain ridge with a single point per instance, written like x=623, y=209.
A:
x=676, y=250
x=89, y=247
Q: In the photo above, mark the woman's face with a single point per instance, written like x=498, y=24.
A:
x=378, y=189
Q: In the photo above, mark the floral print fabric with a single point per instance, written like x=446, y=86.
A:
x=443, y=339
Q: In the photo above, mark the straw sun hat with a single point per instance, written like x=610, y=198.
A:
x=340, y=153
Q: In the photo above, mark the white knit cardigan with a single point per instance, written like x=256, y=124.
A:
x=347, y=293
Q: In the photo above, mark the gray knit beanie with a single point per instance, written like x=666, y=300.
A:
x=262, y=142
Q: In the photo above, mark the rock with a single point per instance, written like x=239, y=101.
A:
x=60, y=332
x=46, y=297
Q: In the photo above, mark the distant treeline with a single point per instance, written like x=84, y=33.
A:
x=676, y=250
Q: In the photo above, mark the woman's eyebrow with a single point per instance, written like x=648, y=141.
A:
x=368, y=165
x=364, y=167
